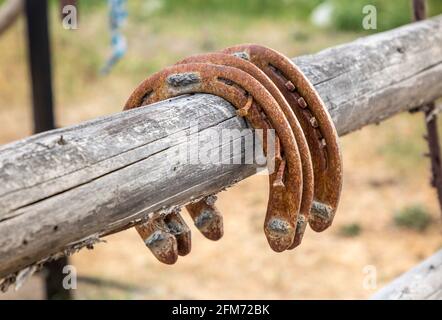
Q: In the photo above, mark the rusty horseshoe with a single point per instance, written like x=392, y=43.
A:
x=206, y=217
x=307, y=167
x=250, y=98
x=158, y=238
x=315, y=121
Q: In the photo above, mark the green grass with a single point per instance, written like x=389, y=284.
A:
x=280, y=8
x=350, y=230
x=158, y=37
x=285, y=8
x=347, y=13
x=390, y=14
x=414, y=217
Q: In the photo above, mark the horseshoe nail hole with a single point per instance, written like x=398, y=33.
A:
x=55, y=228
x=400, y=49
x=225, y=81
x=25, y=242
x=278, y=72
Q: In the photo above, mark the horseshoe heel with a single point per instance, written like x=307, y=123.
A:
x=207, y=218
x=179, y=229
x=307, y=167
x=316, y=123
x=236, y=87
x=158, y=238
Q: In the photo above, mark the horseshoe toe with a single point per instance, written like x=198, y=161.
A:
x=321, y=216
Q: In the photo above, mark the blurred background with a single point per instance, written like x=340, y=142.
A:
x=388, y=216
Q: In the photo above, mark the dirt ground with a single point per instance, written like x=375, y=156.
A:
x=384, y=172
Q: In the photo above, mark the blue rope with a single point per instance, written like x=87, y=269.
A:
x=117, y=17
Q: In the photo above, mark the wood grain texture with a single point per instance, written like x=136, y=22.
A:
x=9, y=12
x=423, y=282
x=59, y=188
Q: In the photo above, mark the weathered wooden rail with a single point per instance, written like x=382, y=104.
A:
x=62, y=189
x=423, y=282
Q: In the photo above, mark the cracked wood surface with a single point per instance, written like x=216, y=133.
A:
x=59, y=187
